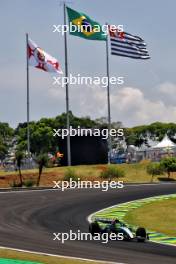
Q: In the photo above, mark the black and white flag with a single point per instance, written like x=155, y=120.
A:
x=127, y=45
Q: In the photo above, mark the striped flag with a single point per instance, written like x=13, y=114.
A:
x=127, y=45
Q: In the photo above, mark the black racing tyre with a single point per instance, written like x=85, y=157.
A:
x=126, y=237
x=94, y=228
x=141, y=234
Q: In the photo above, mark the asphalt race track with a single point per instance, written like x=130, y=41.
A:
x=28, y=220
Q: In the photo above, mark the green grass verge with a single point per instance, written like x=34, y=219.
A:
x=159, y=216
x=12, y=254
x=134, y=173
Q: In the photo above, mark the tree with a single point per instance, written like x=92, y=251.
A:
x=42, y=161
x=154, y=168
x=41, y=139
x=3, y=150
x=155, y=131
x=169, y=164
x=19, y=155
x=6, y=134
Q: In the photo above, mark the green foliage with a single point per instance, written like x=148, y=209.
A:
x=3, y=150
x=112, y=172
x=169, y=164
x=155, y=168
x=29, y=183
x=139, y=134
x=6, y=134
x=42, y=160
x=19, y=155
x=42, y=140
x=70, y=173
x=41, y=132
x=26, y=183
x=15, y=184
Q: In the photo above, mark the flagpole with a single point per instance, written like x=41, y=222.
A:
x=67, y=94
x=108, y=102
x=28, y=106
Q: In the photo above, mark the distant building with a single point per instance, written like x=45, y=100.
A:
x=157, y=151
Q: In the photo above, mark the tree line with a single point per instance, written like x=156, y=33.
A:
x=42, y=140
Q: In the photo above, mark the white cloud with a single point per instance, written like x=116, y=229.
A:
x=135, y=108
x=128, y=104
x=167, y=88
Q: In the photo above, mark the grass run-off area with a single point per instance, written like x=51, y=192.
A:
x=134, y=173
x=159, y=216
x=23, y=256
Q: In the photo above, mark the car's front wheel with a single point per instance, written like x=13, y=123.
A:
x=141, y=234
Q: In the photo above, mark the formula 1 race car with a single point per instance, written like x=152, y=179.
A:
x=103, y=225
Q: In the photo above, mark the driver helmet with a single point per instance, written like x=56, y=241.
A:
x=115, y=221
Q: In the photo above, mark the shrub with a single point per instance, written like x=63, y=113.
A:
x=155, y=168
x=169, y=164
x=29, y=183
x=112, y=172
x=70, y=174
x=15, y=184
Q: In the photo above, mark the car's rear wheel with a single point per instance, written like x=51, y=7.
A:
x=94, y=228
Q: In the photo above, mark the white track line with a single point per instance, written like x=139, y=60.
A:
x=59, y=256
x=8, y=190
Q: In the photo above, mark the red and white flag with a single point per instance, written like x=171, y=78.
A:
x=42, y=60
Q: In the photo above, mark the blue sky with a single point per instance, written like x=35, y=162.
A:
x=148, y=94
